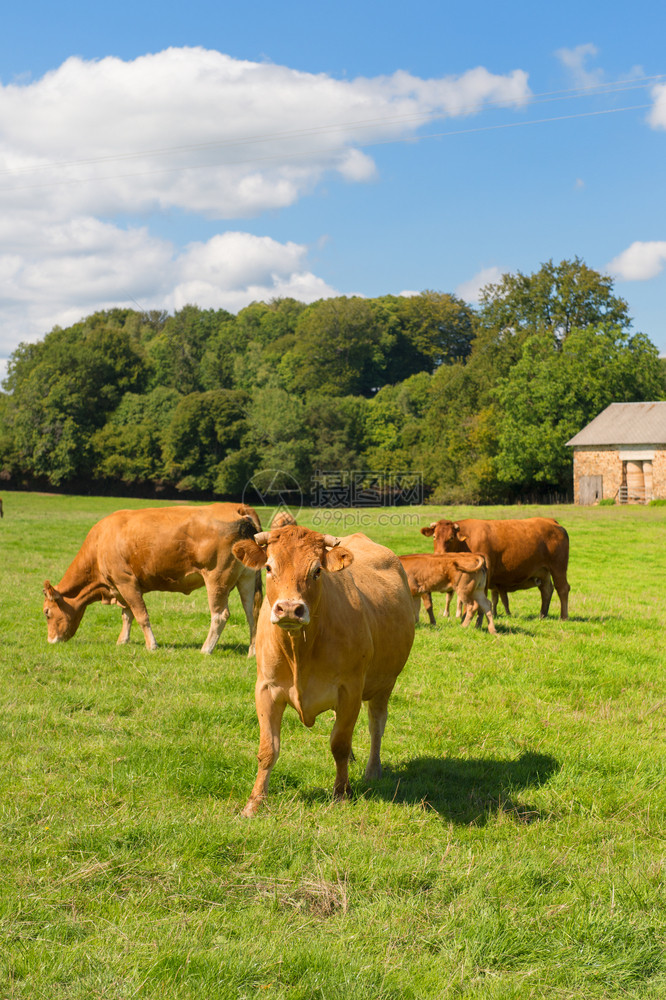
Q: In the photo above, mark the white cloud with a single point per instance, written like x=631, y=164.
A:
x=470, y=290
x=89, y=265
x=186, y=130
x=640, y=261
x=234, y=269
x=657, y=117
x=195, y=129
x=575, y=62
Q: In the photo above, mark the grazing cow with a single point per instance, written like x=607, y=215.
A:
x=177, y=549
x=335, y=629
x=521, y=553
x=462, y=573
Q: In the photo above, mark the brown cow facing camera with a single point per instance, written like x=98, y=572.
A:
x=335, y=629
x=520, y=553
x=463, y=573
x=176, y=549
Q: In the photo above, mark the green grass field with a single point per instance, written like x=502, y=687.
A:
x=515, y=846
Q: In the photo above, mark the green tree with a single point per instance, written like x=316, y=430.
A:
x=62, y=390
x=551, y=302
x=428, y=330
x=205, y=428
x=340, y=348
x=394, y=425
x=550, y=395
x=335, y=431
x=178, y=349
x=130, y=446
x=277, y=432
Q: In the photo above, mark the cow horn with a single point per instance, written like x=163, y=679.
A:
x=261, y=537
x=331, y=541
x=433, y=524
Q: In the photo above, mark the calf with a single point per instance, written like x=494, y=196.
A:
x=177, y=549
x=335, y=630
x=464, y=574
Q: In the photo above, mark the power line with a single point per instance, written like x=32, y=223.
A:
x=600, y=90
x=331, y=129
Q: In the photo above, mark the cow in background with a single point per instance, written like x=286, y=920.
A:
x=463, y=573
x=520, y=553
x=178, y=549
x=335, y=629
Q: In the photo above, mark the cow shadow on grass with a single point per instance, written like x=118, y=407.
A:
x=463, y=790
x=468, y=790
x=221, y=647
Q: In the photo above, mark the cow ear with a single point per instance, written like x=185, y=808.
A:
x=337, y=558
x=428, y=531
x=249, y=553
x=50, y=593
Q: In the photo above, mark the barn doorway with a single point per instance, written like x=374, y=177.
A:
x=636, y=481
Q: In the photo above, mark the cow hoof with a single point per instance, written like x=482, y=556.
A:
x=372, y=773
x=252, y=808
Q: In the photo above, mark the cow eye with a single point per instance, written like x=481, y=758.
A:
x=268, y=568
x=317, y=572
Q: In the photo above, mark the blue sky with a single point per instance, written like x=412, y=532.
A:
x=215, y=153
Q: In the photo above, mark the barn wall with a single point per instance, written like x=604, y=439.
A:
x=659, y=473
x=606, y=462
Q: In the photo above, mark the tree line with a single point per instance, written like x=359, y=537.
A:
x=477, y=401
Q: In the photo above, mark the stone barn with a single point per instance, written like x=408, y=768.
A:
x=621, y=455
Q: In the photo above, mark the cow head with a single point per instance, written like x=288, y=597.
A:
x=62, y=619
x=446, y=536
x=296, y=560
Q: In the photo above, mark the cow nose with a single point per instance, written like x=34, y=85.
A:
x=290, y=612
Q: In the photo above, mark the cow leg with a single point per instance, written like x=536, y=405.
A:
x=486, y=609
x=465, y=594
x=502, y=595
x=427, y=606
x=346, y=715
x=416, y=603
x=218, y=602
x=447, y=605
x=247, y=588
x=124, y=636
x=377, y=716
x=546, y=589
x=133, y=600
x=269, y=712
x=460, y=608
x=562, y=587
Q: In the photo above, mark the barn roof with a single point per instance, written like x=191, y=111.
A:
x=625, y=423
